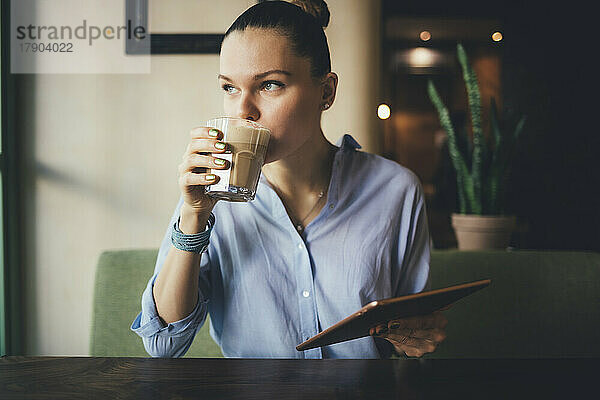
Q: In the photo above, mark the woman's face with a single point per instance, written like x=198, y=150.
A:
x=264, y=81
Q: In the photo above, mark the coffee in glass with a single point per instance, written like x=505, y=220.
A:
x=247, y=144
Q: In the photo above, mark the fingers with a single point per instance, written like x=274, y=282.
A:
x=198, y=157
x=415, y=343
x=201, y=132
x=433, y=335
x=414, y=336
x=378, y=330
x=194, y=161
x=433, y=320
x=425, y=346
x=436, y=320
x=412, y=349
x=204, y=145
x=205, y=140
x=193, y=179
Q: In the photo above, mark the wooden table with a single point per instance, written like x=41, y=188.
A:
x=144, y=378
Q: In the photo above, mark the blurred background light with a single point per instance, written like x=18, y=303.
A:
x=421, y=57
x=383, y=111
x=425, y=36
x=421, y=60
x=496, y=36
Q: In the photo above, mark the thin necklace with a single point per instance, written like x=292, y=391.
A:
x=299, y=224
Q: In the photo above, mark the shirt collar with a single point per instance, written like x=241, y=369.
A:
x=267, y=196
x=348, y=142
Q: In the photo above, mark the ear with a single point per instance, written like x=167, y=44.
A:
x=328, y=88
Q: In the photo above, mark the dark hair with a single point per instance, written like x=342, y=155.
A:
x=304, y=30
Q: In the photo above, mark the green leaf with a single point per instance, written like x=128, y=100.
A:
x=482, y=170
x=462, y=173
x=474, y=99
x=519, y=127
x=494, y=122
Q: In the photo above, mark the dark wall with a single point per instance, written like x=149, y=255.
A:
x=550, y=74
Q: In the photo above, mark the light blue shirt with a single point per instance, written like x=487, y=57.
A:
x=268, y=288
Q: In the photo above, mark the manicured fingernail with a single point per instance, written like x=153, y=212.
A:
x=210, y=177
x=213, y=132
x=219, y=145
x=218, y=161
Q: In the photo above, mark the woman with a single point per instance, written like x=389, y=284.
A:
x=331, y=228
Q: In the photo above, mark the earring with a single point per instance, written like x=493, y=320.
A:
x=326, y=106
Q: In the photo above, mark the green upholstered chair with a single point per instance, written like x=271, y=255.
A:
x=121, y=277
x=541, y=304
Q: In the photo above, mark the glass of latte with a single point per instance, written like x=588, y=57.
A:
x=247, y=144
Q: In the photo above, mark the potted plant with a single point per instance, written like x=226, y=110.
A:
x=482, y=168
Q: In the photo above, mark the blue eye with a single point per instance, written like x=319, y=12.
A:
x=271, y=86
x=228, y=88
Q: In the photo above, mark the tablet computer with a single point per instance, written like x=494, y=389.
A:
x=382, y=311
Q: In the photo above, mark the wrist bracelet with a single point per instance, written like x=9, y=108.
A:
x=196, y=242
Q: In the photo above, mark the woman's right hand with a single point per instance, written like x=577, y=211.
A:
x=193, y=175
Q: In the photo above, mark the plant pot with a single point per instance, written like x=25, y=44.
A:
x=483, y=232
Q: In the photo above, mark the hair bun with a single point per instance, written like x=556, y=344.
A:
x=316, y=8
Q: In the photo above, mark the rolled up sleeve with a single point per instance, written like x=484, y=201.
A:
x=170, y=340
x=175, y=338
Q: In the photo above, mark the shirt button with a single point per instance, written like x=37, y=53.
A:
x=331, y=206
x=306, y=293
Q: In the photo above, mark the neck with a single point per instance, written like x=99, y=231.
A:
x=306, y=171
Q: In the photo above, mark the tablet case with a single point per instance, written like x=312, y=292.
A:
x=382, y=311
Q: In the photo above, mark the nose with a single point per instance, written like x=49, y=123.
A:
x=247, y=108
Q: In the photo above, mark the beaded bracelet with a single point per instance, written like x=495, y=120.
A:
x=196, y=242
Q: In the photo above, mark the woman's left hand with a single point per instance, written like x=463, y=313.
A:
x=414, y=336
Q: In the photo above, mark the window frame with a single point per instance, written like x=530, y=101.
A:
x=10, y=273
